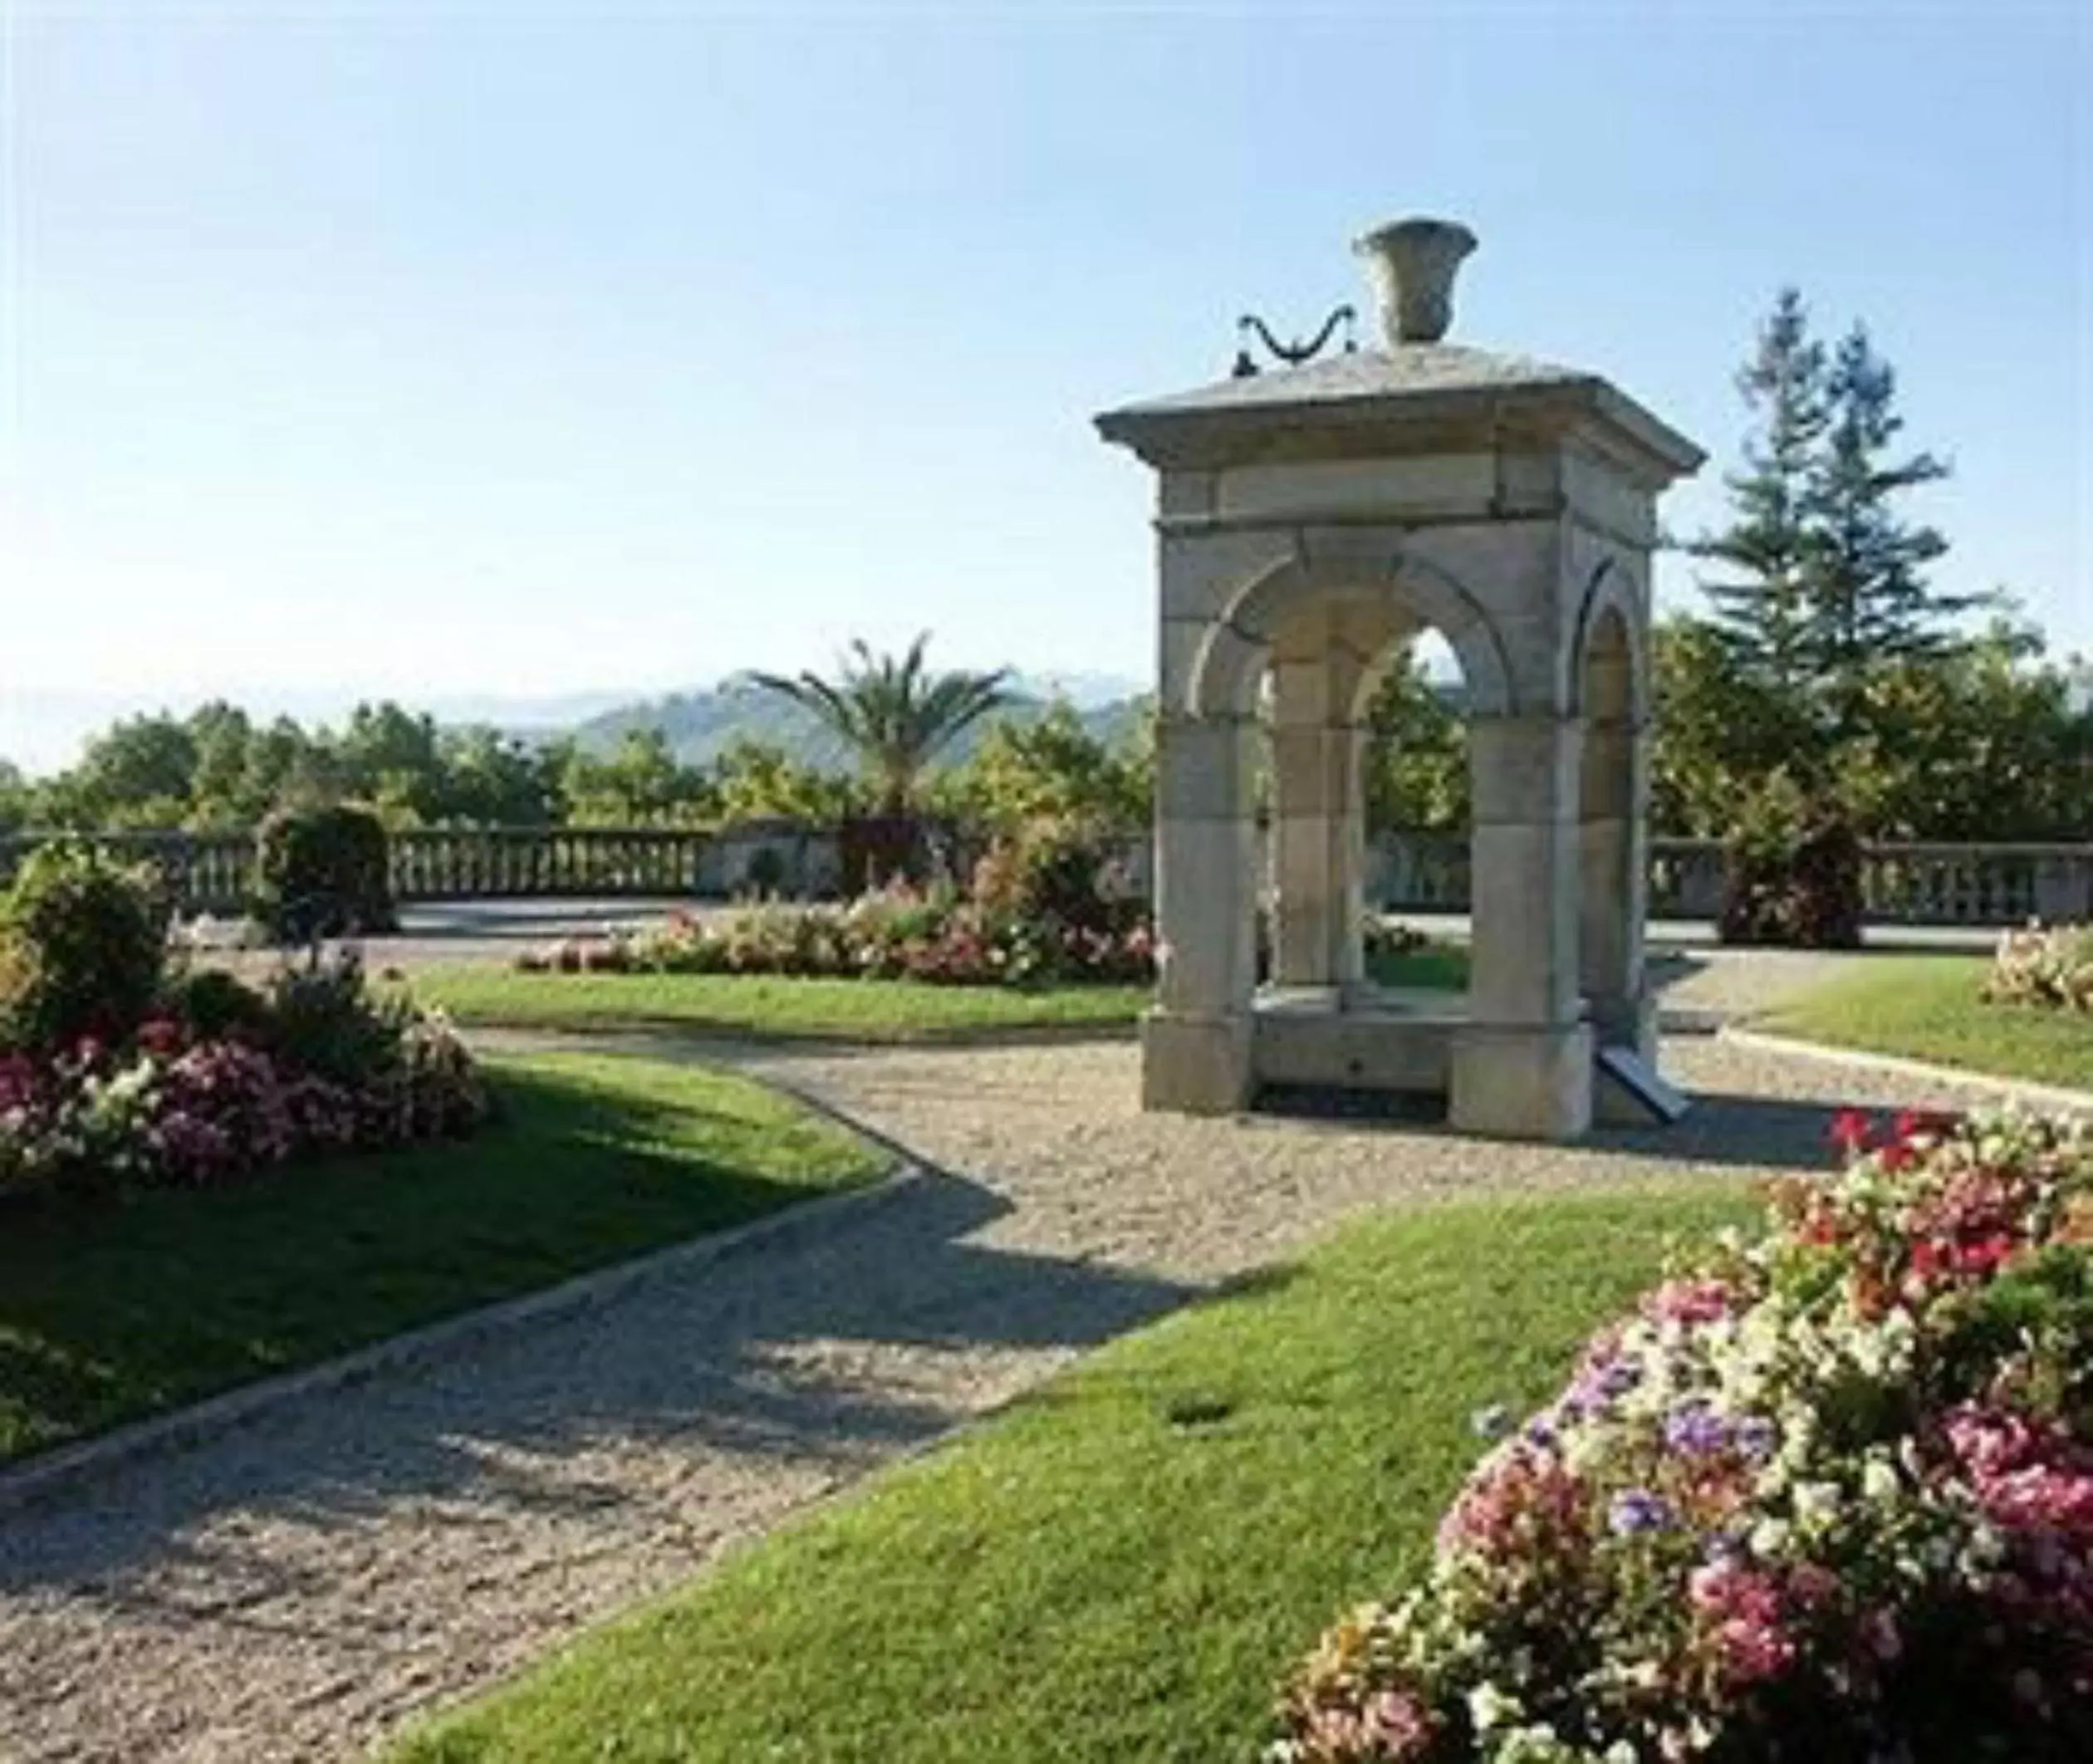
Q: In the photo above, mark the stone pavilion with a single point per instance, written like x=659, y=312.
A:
x=1312, y=520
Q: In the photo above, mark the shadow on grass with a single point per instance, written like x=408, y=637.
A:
x=755, y=1355
x=116, y=1306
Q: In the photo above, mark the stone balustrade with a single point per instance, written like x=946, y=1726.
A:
x=1931, y=883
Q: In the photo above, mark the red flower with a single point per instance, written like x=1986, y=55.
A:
x=1852, y=1130
x=1933, y=1122
x=159, y=1035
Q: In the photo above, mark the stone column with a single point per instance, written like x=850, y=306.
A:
x=1195, y=1043
x=1318, y=827
x=1613, y=886
x=1523, y=1064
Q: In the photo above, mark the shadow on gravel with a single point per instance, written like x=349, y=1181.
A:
x=1748, y=1132
x=781, y=1357
x=1744, y=1132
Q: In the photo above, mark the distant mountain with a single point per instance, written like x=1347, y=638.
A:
x=43, y=730
x=1084, y=691
x=703, y=723
x=524, y=715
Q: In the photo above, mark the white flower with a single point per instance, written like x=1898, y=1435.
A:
x=1817, y=1503
x=1769, y=1539
x=1490, y=1708
x=1878, y=1478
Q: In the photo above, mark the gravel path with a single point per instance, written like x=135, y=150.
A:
x=292, y=1590
x=1734, y=984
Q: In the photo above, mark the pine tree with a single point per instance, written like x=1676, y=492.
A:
x=1761, y=612
x=1868, y=600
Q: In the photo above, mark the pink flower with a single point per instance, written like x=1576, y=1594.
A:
x=1702, y=1301
x=1741, y=1608
x=1520, y=1498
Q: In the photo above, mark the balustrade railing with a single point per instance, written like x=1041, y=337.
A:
x=202, y=872
x=493, y=863
x=1920, y=884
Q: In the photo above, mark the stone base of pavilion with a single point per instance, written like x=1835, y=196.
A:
x=1507, y=1080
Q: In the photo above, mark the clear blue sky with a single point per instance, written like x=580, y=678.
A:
x=434, y=349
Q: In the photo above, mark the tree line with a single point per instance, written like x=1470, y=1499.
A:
x=218, y=769
x=1827, y=679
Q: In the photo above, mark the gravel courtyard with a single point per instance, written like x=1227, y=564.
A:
x=296, y=1589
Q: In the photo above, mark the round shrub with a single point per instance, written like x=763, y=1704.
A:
x=1062, y=872
x=2051, y=966
x=322, y=1018
x=323, y=873
x=213, y=1005
x=1792, y=872
x=82, y=945
x=1825, y=1495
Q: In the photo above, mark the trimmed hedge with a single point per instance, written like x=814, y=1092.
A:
x=82, y=938
x=1792, y=874
x=323, y=873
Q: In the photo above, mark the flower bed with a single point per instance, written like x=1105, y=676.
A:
x=2050, y=966
x=178, y=1103
x=941, y=939
x=1828, y=1496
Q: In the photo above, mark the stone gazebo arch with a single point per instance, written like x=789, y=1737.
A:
x=1310, y=521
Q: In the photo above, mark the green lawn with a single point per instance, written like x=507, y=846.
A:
x=112, y=1310
x=1927, y=1008
x=1436, y=967
x=1121, y=1567
x=846, y=1010
x=758, y=1005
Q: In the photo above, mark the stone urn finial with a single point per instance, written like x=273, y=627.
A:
x=1411, y=264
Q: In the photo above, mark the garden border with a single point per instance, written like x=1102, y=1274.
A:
x=57, y=1472
x=2025, y=1090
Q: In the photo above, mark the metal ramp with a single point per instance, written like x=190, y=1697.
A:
x=1630, y=1092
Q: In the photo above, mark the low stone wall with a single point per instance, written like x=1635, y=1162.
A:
x=1904, y=883
x=1930, y=884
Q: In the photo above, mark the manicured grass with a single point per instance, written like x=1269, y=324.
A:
x=112, y=1310
x=1436, y=967
x=1123, y=1564
x=1928, y=1007
x=847, y=1010
x=760, y=1005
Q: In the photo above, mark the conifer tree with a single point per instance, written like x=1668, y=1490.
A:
x=1869, y=603
x=1760, y=605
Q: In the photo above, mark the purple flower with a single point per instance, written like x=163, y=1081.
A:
x=1696, y=1430
x=1620, y=1377
x=1757, y=1436
x=1726, y=1548
x=1637, y=1510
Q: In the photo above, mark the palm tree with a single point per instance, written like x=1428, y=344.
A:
x=893, y=715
